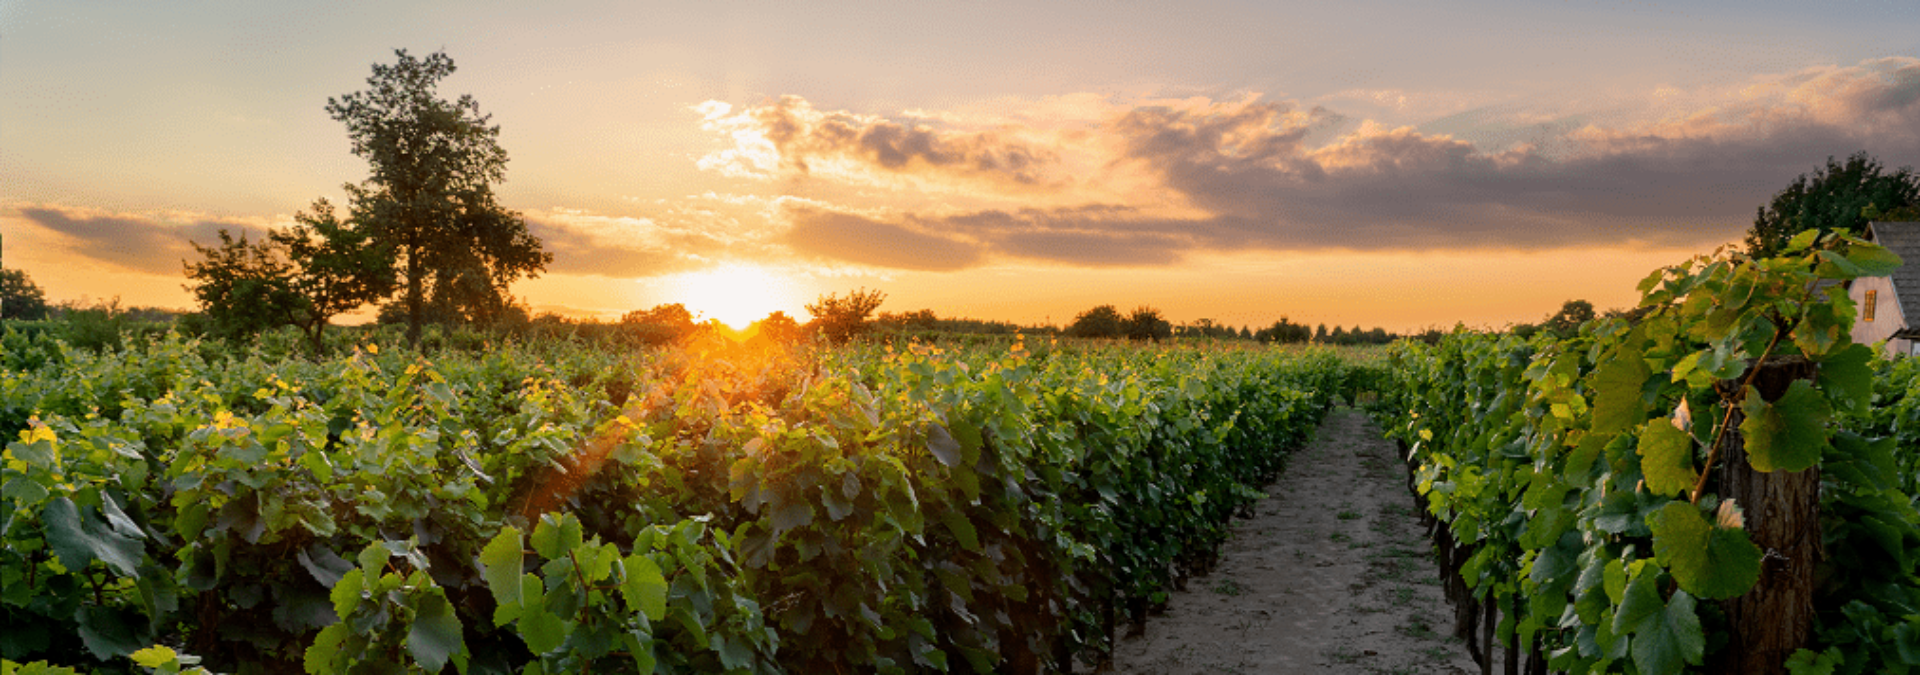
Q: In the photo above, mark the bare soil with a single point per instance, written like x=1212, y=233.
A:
x=1333, y=574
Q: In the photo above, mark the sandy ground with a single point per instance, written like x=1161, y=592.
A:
x=1331, y=575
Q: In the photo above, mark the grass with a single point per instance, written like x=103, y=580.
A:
x=1227, y=587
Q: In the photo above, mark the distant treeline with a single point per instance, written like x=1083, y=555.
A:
x=1143, y=323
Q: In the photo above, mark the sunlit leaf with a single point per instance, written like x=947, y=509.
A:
x=1666, y=461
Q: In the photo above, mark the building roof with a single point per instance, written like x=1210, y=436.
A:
x=1904, y=240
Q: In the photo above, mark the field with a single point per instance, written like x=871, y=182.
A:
x=557, y=508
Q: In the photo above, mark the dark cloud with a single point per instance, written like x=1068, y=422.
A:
x=857, y=239
x=137, y=243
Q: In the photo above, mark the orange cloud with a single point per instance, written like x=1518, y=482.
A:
x=1206, y=175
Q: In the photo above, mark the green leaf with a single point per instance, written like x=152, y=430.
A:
x=942, y=445
x=1665, y=641
x=154, y=657
x=1710, y=562
x=321, y=562
x=1801, y=241
x=645, y=587
x=640, y=645
x=556, y=535
x=1666, y=458
x=111, y=633
x=326, y=646
x=1617, y=382
x=1873, y=260
x=80, y=537
x=790, y=515
x=1847, y=378
x=1809, y=662
x=373, y=559
x=962, y=528
x=1789, y=434
x=500, y=563
x=346, y=592
x=1640, y=599
x=543, y=632
x=435, y=634
x=1614, y=580
x=23, y=490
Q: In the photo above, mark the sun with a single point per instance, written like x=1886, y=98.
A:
x=737, y=294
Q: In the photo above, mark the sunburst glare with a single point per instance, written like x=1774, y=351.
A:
x=737, y=294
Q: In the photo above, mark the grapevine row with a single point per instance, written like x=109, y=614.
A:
x=551, y=509
x=1592, y=496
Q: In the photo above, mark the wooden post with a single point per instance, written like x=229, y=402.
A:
x=1783, y=518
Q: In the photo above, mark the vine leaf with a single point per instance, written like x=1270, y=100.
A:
x=1667, y=636
x=645, y=587
x=435, y=634
x=79, y=538
x=1861, y=261
x=1710, y=562
x=1789, y=434
x=500, y=564
x=942, y=445
x=1847, y=377
x=110, y=632
x=1666, y=458
x=1618, y=404
x=542, y=631
x=556, y=535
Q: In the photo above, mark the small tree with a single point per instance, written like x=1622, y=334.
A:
x=779, y=327
x=1837, y=196
x=1145, y=323
x=1104, y=321
x=663, y=323
x=301, y=277
x=839, y=319
x=1567, y=321
x=242, y=287
x=20, y=298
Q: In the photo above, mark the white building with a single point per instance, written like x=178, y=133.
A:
x=1889, y=306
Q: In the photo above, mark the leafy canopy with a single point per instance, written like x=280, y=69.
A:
x=19, y=297
x=1837, y=196
x=429, y=195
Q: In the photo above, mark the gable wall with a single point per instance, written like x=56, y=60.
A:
x=1887, y=317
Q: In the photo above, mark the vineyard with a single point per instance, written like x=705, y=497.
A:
x=549, y=507
x=1719, y=480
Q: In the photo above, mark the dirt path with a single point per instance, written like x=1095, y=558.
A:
x=1332, y=574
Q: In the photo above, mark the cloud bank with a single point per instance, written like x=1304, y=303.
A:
x=148, y=243
x=1684, y=169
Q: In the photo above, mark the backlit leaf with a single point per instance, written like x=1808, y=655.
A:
x=1617, y=382
x=1666, y=458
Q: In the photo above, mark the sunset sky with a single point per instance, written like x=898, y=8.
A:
x=1379, y=163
